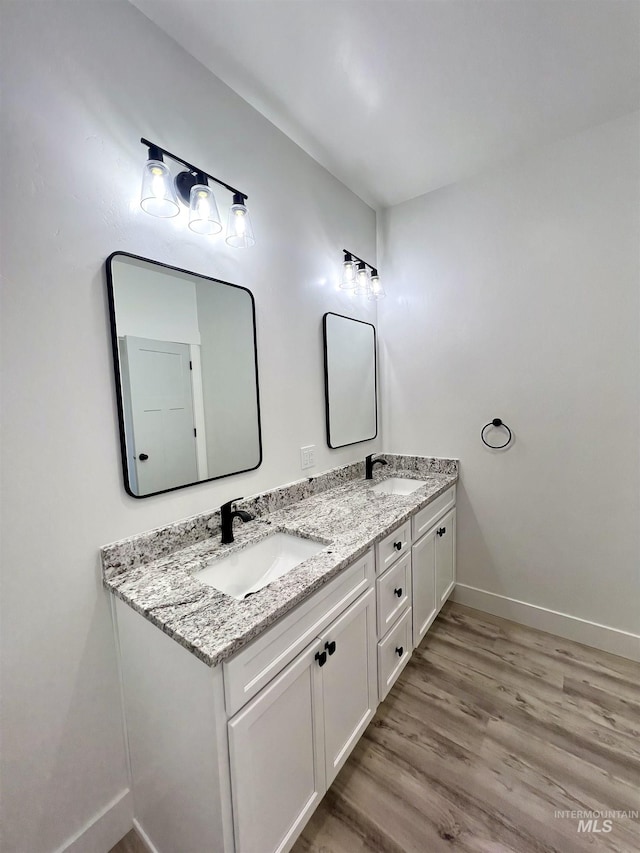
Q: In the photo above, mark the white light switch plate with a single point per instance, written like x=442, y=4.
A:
x=308, y=456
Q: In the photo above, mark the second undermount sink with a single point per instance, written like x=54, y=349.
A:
x=252, y=568
x=398, y=486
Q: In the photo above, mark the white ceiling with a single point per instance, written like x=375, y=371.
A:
x=399, y=97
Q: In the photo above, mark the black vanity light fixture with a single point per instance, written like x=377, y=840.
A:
x=356, y=277
x=161, y=195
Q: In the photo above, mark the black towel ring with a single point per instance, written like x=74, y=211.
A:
x=496, y=422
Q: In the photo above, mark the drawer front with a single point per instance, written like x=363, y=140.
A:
x=393, y=590
x=393, y=653
x=427, y=517
x=394, y=546
x=253, y=667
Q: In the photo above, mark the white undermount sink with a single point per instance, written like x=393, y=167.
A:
x=255, y=566
x=398, y=486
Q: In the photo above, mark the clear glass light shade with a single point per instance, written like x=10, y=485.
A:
x=362, y=283
x=158, y=196
x=203, y=211
x=348, y=281
x=376, y=290
x=239, y=230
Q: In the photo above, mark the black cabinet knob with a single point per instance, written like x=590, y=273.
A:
x=330, y=647
x=399, y=651
x=441, y=531
x=143, y=457
x=321, y=657
x=398, y=592
x=397, y=546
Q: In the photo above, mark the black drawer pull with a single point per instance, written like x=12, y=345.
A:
x=397, y=546
x=399, y=651
x=398, y=592
x=330, y=647
x=321, y=657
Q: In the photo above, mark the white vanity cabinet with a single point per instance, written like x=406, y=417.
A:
x=433, y=561
x=287, y=745
x=234, y=758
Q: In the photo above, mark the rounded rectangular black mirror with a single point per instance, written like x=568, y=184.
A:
x=186, y=369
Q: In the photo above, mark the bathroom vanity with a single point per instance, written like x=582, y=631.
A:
x=241, y=711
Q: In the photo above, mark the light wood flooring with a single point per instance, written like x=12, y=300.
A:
x=490, y=730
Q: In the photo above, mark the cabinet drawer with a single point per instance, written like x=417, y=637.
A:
x=394, y=546
x=393, y=653
x=256, y=664
x=393, y=590
x=427, y=517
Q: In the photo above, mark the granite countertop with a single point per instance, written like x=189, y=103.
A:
x=347, y=519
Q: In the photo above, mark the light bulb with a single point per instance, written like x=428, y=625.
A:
x=376, y=290
x=158, y=196
x=203, y=210
x=362, y=280
x=240, y=221
x=348, y=281
x=157, y=182
x=239, y=229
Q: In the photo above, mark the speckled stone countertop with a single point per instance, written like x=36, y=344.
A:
x=347, y=518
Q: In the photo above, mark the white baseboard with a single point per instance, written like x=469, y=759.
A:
x=105, y=829
x=611, y=640
x=144, y=837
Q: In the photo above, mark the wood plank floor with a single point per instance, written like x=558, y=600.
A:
x=490, y=731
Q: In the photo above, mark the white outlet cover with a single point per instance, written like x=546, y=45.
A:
x=308, y=456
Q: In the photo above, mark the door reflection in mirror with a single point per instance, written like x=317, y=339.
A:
x=186, y=373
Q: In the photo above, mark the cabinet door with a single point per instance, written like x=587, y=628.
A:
x=277, y=758
x=423, y=575
x=349, y=680
x=445, y=557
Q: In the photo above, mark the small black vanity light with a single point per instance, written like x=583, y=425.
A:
x=161, y=193
x=203, y=209
x=348, y=281
x=356, y=277
x=158, y=196
x=239, y=230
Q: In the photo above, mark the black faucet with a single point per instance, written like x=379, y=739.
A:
x=226, y=520
x=369, y=463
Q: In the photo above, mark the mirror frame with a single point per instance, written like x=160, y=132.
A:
x=326, y=378
x=118, y=374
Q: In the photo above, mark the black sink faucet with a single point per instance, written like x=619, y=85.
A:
x=369, y=463
x=226, y=520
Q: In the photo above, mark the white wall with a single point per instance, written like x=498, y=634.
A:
x=515, y=295
x=153, y=303
x=229, y=378
x=82, y=83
